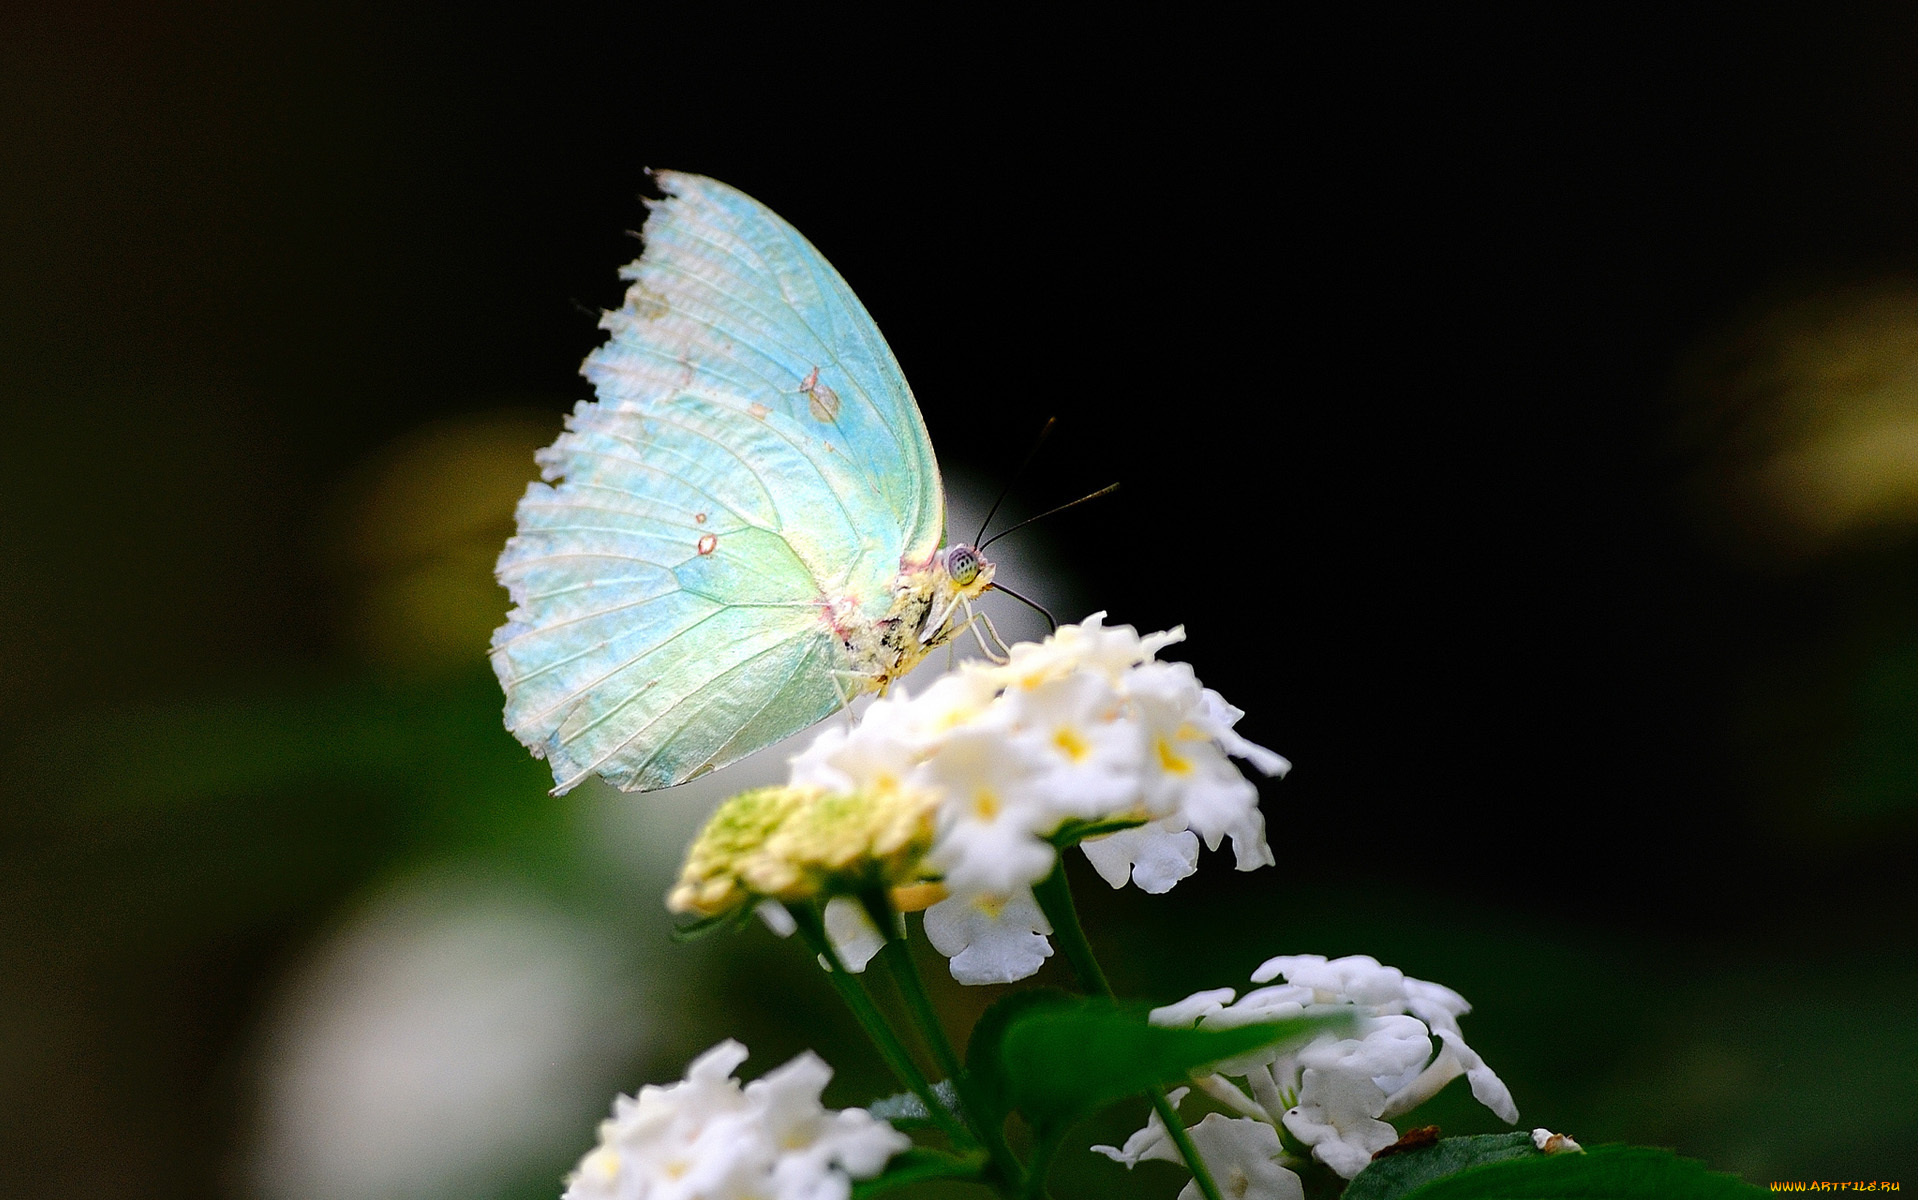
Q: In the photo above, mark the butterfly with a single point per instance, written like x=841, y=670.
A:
x=742, y=531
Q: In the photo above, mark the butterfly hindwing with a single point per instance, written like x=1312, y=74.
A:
x=753, y=451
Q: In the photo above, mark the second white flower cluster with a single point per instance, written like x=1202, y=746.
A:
x=707, y=1138
x=1335, y=1094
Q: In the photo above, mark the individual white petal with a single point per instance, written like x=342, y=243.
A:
x=990, y=939
x=1181, y=1014
x=1222, y=1089
x=1423, y=1087
x=717, y=1065
x=1142, y=1144
x=861, y=1143
x=1440, y=1007
x=1272, y=1099
x=1155, y=856
x=777, y=917
x=1487, y=1086
x=1338, y=1116
x=1249, y=834
x=1112, y=861
x=1274, y=967
x=1219, y=720
x=1357, y=978
x=1151, y=1142
x=788, y=1097
x=1153, y=643
x=1239, y=1154
x=1113, y=649
x=1166, y=693
x=852, y=932
x=1264, y=1004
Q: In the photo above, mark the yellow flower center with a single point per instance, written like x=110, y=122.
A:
x=1170, y=762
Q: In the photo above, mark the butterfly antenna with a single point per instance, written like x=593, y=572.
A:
x=1013, y=478
x=1053, y=626
x=1105, y=491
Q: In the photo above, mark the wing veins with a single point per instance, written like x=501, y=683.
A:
x=810, y=258
x=665, y=742
x=597, y=613
x=686, y=483
x=605, y=716
x=618, y=512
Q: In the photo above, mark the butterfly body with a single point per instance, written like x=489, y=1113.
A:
x=881, y=651
x=742, y=531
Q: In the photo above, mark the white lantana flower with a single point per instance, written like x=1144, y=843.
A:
x=1337, y=1093
x=707, y=1138
x=1155, y=856
x=989, y=938
x=970, y=782
x=1085, y=727
x=1188, y=772
x=1242, y=1155
x=992, y=826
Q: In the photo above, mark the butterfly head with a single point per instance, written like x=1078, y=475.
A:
x=965, y=566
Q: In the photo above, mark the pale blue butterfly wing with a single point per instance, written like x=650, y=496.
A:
x=754, y=454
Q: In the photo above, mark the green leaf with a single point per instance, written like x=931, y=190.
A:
x=1602, y=1173
x=905, y=1110
x=1054, y=1057
x=920, y=1165
x=1395, y=1175
x=989, y=1082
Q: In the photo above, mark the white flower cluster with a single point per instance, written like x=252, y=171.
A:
x=707, y=1138
x=1084, y=727
x=1335, y=1093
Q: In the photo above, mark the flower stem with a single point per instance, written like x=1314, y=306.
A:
x=898, y=956
x=1188, y=1151
x=1056, y=901
x=906, y=976
x=1045, y=1147
x=813, y=931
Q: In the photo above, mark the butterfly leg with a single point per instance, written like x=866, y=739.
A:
x=933, y=628
x=846, y=701
x=974, y=622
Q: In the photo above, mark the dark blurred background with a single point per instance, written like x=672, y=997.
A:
x=1517, y=408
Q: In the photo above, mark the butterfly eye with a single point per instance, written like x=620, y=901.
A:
x=963, y=565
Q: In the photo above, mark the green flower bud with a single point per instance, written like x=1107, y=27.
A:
x=797, y=843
